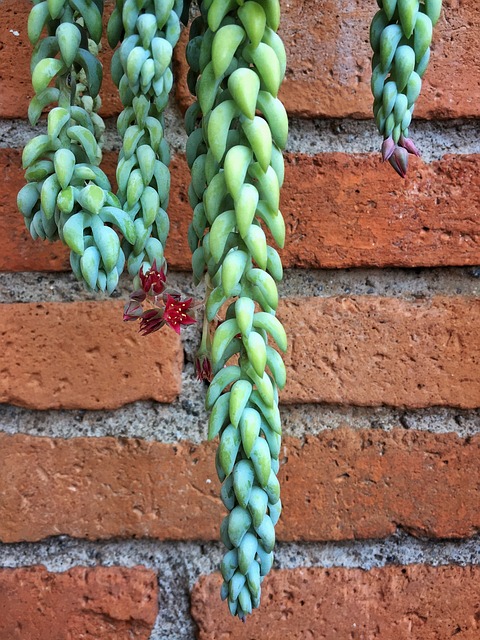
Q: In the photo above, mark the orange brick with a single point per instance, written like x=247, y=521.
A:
x=82, y=355
x=110, y=603
x=373, y=351
x=349, y=211
x=338, y=485
x=391, y=603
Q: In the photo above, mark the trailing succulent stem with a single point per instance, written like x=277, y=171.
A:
x=237, y=128
x=67, y=195
x=400, y=36
x=141, y=68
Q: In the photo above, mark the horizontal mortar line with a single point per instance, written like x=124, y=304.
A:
x=186, y=419
x=413, y=283
x=62, y=553
x=311, y=137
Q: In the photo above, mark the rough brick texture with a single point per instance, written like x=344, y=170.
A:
x=341, y=211
x=367, y=351
x=338, y=485
x=328, y=61
x=349, y=211
x=394, y=603
x=82, y=355
x=108, y=603
x=372, y=351
x=328, y=54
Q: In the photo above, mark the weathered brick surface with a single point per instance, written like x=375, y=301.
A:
x=366, y=351
x=328, y=53
x=82, y=355
x=15, y=54
x=348, y=211
x=341, y=211
x=328, y=61
x=393, y=603
x=339, y=485
x=383, y=351
x=109, y=603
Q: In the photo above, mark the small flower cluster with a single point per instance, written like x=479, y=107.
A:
x=397, y=154
x=167, y=306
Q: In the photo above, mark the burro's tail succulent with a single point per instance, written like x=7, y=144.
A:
x=400, y=36
x=141, y=68
x=237, y=128
x=67, y=195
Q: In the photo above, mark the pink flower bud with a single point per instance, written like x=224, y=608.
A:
x=408, y=144
x=388, y=147
x=399, y=161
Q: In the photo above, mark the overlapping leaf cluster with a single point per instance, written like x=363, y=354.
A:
x=141, y=68
x=67, y=195
x=237, y=128
x=400, y=36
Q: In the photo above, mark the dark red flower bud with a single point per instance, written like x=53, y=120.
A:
x=203, y=367
x=132, y=311
x=152, y=320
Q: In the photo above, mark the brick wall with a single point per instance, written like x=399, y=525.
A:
x=109, y=507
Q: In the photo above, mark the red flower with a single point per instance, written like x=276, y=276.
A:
x=153, y=280
x=175, y=313
x=152, y=320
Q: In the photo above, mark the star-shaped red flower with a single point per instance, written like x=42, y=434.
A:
x=175, y=314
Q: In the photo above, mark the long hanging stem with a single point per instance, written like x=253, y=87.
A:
x=67, y=195
x=400, y=36
x=237, y=128
x=141, y=68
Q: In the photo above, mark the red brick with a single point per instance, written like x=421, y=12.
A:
x=373, y=351
x=349, y=484
x=338, y=485
x=341, y=211
x=350, y=211
x=15, y=54
x=392, y=603
x=328, y=53
x=109, y=603
x=82, y=355
x=105, y=487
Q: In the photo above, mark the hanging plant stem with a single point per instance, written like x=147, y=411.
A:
x=400, y=36
x=141, y=69
x=237, y=128
x=67, y=195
